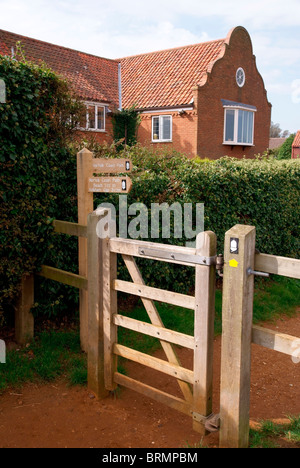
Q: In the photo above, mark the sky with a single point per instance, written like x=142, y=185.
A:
x=119, y=28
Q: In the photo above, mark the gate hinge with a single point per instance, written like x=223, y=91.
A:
x=151, y=252
x=211, y=422
x=219, y=264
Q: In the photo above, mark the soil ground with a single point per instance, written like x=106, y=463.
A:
x=56, y=415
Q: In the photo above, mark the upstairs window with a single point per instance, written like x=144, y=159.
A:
x=94, y=118
x=238, y=123
x=162, y=128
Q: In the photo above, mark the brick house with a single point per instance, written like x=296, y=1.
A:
x=296, y=146
x=206, y=99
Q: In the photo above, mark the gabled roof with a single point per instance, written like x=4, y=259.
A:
x=166, y=78
x=94, y=78
x=296, y=142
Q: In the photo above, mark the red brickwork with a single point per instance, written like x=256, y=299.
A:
x=221, y=84
x=183, y=132
x=101, y=137
x=200, y=132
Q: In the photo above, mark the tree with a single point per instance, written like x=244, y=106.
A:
x=276, y=132
x=285, y=150
x=125, y=125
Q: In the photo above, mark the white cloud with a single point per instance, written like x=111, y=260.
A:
x=163, y=35
x=267, y=13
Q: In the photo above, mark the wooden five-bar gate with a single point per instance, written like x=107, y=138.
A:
x=104, y=318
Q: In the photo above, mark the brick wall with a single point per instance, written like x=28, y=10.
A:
x=98, y=136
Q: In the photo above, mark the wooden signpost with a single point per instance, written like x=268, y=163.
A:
x=87, y=184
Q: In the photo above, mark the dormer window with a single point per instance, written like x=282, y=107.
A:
x=238, y=123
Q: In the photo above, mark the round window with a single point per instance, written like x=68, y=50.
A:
x=240, y=77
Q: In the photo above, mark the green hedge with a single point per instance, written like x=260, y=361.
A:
x=37, y=177
x=263, y=192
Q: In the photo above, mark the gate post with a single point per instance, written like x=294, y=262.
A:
x=95, y=303
x=85, y=206
x=24, y=321
x=205, y=286
x=237, y=313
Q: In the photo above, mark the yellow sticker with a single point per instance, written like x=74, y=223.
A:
x=233, y=263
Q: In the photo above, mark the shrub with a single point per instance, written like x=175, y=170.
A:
x=125, y=124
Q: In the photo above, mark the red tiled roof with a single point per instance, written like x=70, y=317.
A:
x=94, y=78
x=276, y=142
x=166, y=78
x=296, y=142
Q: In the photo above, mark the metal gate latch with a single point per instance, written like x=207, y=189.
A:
x=219, y=264
x=257, y=273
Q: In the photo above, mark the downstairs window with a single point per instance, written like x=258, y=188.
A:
x=94, y=117
x=162, y=128
x=238, y=123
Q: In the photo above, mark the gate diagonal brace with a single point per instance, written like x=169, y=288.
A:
x=211, y=422
x=196, y=259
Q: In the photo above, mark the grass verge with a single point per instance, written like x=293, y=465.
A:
x=52, y=354
x=272, y=435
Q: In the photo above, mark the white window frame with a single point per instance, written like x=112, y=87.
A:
x=236, y=125
x=97, y=105
x=161, y=119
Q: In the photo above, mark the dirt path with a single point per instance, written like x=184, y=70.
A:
x=55, y=415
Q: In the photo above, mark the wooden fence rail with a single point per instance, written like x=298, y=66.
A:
x=24, y=321
x=275, y=340
x=283, y=266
